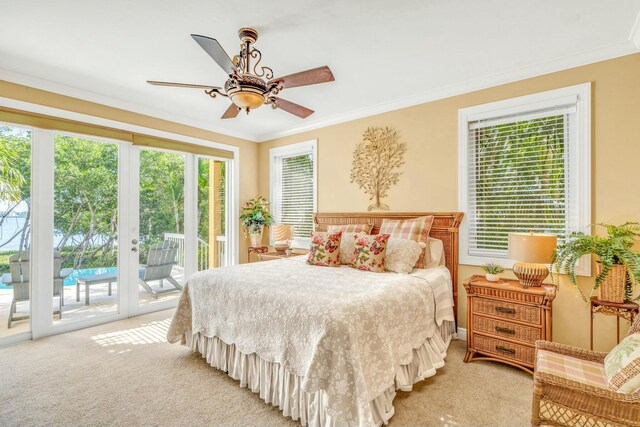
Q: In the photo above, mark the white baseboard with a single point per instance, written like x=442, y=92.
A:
x=462, y=333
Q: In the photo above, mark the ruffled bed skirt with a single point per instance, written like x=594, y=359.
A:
x=280, y=388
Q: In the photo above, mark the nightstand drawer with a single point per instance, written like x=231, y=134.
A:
x=523, y=313
x=506, y=329
x=505, y=349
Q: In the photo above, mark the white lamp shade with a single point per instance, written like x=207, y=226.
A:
x=532, y=247
x=282, y=232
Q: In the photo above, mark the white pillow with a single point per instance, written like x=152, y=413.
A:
x=347, y=247
x=402, y=254
x=436, y=248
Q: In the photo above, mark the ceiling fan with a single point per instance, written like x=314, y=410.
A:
x=250, y=85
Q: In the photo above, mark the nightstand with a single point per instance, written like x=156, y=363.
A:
x=505, y=319
x=270, y=256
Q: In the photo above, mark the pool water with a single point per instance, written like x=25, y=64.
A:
x=82, y=272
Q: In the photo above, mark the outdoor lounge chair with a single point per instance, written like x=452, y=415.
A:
x=160, y=261
x=18, y=278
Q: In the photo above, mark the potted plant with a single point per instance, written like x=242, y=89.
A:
x=618, y=268
x=255, y=216
x=492, y=271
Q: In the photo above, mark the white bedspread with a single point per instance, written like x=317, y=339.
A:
x=343, y=330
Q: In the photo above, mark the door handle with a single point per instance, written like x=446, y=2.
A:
x=134, y=249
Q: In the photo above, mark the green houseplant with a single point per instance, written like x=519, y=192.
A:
x=492, y=271
x=255, y=216
x=618, y=264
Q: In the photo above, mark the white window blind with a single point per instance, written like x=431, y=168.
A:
x=517, y=174
x=524, y=170
x=293, y=189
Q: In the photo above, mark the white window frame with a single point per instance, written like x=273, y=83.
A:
x=298, y=149
x=579, y=149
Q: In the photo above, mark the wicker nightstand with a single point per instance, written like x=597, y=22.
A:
x=504, y=320
x=270, y=256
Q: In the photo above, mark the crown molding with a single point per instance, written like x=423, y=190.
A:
x=634, y=36
x=627, y=47
x=85, y=95
x=563, y=63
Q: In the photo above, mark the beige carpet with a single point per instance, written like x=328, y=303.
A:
x=125, y=374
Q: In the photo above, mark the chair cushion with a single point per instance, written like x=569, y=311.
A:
x=622, y=365
x=571, y=368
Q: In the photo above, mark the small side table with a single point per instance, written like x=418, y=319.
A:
x=256, y=250
x=627, y=310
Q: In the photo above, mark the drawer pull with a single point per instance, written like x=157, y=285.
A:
x=505, y=349
x=506, y=310
x=505, y=330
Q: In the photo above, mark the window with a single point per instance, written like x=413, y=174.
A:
x=524, y=166
x=293, y=188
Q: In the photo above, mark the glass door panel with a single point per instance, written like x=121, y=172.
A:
x=211, y=215
x=15, y=237
x=85, y=273
x=161, y=243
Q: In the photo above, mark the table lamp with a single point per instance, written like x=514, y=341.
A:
x=532, y=251
x=282, y=235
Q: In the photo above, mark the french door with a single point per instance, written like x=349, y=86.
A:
x=114, y=229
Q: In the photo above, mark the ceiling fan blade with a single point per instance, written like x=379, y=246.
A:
x=189, y=85
x=231, y=112
x=215, y=51
x=305, y=78
x=295, y=109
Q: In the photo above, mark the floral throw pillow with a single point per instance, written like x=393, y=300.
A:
x=369, y=252
x=325, y=249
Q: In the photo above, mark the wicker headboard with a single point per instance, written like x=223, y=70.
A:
x=445, y=227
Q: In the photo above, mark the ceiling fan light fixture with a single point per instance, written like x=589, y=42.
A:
x=247, y=100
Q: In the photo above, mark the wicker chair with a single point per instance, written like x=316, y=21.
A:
x=563, y=400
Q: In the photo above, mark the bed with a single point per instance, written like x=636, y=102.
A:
x=328, y=346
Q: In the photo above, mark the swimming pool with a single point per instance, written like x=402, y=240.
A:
x=82, y=272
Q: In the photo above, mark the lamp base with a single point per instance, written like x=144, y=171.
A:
x=530, y=274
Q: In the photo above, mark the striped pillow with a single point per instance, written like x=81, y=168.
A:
x=350, y=228
x=622, y=365
x=415, y=229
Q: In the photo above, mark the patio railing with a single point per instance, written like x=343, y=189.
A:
x=203, y=250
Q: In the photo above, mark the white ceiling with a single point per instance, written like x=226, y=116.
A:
x=384, y=54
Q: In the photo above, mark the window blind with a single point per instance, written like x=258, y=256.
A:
x=518, y=178
x=295, y=193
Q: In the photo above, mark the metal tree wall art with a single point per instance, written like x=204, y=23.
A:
x=376, y=161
